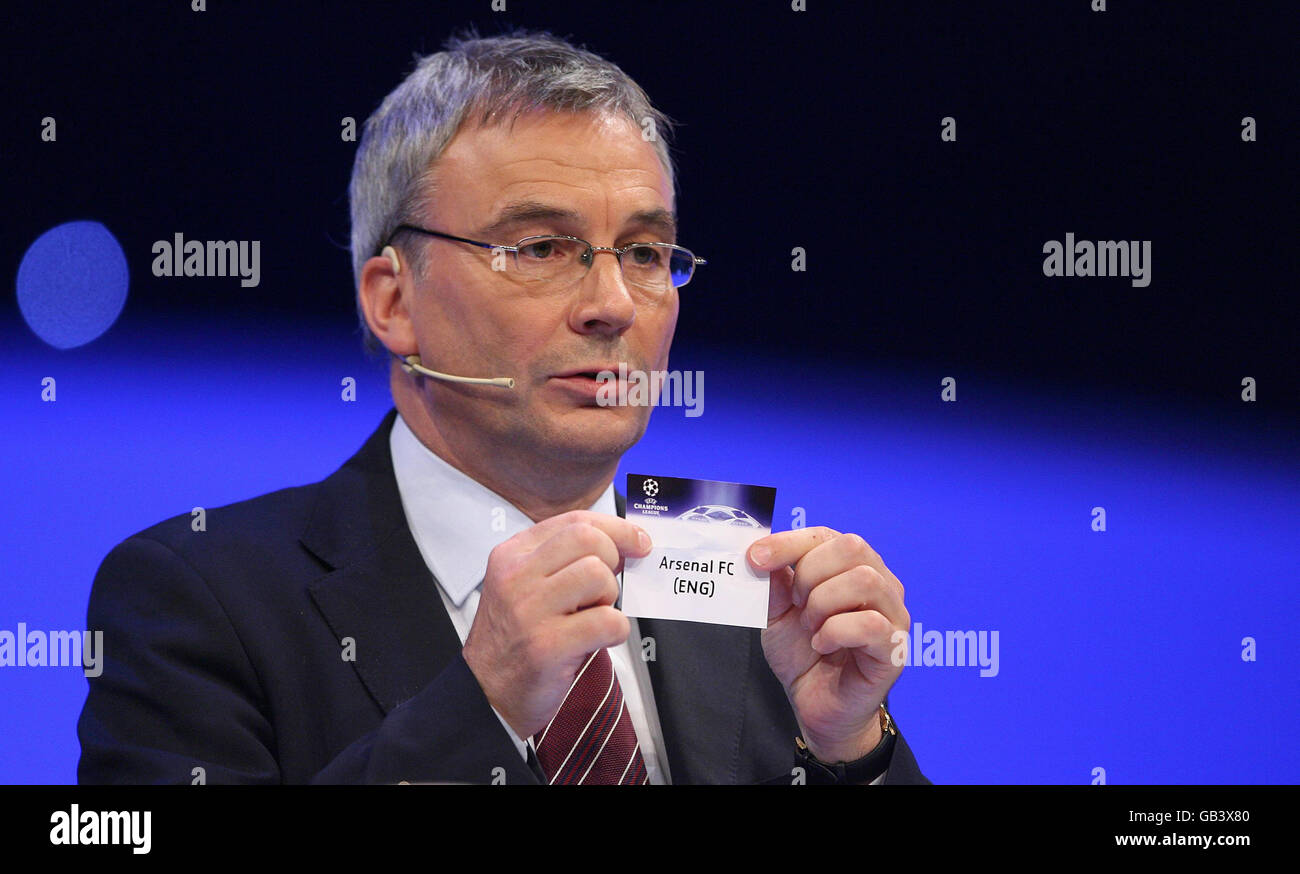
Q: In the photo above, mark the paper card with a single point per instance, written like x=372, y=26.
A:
x=697, y=570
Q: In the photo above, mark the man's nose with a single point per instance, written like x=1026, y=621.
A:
x=604, y=304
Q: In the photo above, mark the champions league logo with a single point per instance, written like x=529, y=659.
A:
x=720, y=514
x=651, y=505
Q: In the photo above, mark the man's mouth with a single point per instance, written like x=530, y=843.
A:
x=588, y=373
x=586, y=383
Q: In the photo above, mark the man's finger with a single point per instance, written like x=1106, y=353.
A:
x=867, y=630
x=786, y=547
x=838, y=555
x=571, y=543
x=602, y=626
x=627, y=537
x=585, y=583
x=859, y=588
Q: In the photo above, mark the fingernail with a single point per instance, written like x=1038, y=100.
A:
x=760, y=555
x=643, y=540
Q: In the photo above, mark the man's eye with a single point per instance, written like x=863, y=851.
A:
x=540, y=251
x=646, y=256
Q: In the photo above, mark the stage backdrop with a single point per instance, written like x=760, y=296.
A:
x=1087, y=484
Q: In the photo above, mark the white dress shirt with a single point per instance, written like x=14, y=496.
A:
x=456, y=522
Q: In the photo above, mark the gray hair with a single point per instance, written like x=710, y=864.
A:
x=490, y=80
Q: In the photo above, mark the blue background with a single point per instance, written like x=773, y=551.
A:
x=1118, y=649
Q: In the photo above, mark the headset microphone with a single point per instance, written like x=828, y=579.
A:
x=411, y=363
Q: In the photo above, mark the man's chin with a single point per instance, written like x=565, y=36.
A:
x=597, y=433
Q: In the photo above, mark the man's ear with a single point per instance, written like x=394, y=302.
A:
x=385, y=297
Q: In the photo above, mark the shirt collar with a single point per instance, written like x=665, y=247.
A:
x=456, y=521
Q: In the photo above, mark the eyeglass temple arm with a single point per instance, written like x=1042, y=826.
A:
x=478, y=243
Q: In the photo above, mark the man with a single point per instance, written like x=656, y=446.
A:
x=444, y=607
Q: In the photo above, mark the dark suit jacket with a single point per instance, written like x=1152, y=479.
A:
x=224, y=651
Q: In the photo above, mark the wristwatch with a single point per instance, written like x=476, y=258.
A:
x=862, y=770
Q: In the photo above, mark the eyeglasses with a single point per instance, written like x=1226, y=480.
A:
x=558, y=259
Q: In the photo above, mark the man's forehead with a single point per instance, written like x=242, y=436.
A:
x=521, y=212
x=551, y=160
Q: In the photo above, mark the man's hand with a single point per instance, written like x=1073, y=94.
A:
x=832, y=610
x=547, y=604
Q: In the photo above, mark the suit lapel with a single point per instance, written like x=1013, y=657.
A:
x=379, y=592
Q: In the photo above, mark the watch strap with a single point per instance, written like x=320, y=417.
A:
x=859, y=771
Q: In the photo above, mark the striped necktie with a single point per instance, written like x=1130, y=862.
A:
x=590, y=740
